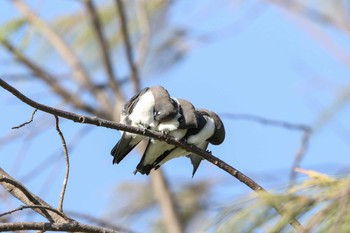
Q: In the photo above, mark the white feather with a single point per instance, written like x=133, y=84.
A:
x=198, y=140
x=169, y=125
x=157, y=148
x=207, y=131
x=142, y=114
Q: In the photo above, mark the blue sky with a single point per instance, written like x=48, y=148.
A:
x=271, y=68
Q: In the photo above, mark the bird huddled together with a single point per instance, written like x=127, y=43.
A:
x=153, y=108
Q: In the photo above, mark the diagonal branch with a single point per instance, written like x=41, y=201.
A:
x=47, y=78
x=27, y=122
x=63, y=50
x=127, y=43
x=33, y=207
x=102, y=43
x=148, y=133
x=28, y=198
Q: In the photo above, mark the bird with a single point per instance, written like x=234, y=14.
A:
x=216, y=138
x=151, y=106
x=210, y=129
x=177, y=127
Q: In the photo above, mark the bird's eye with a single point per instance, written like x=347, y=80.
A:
x=181, y=119
x=156, y=113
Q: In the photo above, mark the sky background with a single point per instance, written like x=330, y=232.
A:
x=261, y=61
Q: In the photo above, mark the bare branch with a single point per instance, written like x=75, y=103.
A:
x=65, y=152
x=44, y=226
x=47, y=78
x=266, y=121
x=27, y=122
x=63, y=50
x=299, y=155
x=144, y=27
x=33, y=207
x=148, y=133
x=127, y=43
x=103, y=47
x=171, y=218
x=21, y=193
x=307, y=130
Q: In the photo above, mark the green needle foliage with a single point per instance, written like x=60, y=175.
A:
x=321, y=203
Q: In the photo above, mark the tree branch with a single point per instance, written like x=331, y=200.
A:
x=47, y=78
x=27, y=122
x=65, y=152
x=102, y=43
x=63, y=50
x=44, y=226
x=307, y=131
x=127, y=43
x=266, y=121
x=169, y=209
x=33, y=207
x=148, y=133
x=28, y=198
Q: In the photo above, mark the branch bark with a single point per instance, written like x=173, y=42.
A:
x=148, y=133
x=127, y=43
x=44, y=226
x=21, y=193
x=65, y=153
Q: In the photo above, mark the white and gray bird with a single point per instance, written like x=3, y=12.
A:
x=176, y=127
x=148, y=108
x=210, y=129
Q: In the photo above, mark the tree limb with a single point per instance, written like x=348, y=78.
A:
x=148, y=133
x=33, y=207
x=28, y=198
x=63, y=50
x=169, y=209
x=45, y=226
x=127, y=43
x=47, y=78
x=102, y=43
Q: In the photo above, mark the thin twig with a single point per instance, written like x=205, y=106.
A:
x=103, y=48
x=50, y=160
x=65, y=152
x=22, y=207
x=127, y=43
x=283, y=124
x=299, y=155
x=27, y=122
x=266, y=121
x=148, y=133
x=21, y=193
